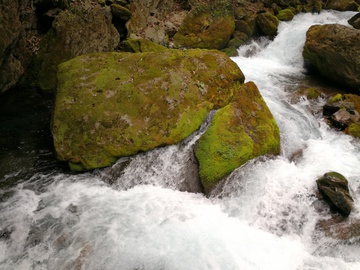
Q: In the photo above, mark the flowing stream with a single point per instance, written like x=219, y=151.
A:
x=263, y=217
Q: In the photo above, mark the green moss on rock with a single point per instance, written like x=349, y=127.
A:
x=267, y=23
x=285, y=15
x=239, y=132
x=120, y=12
x=110, y=105
x=353, y=130
x=202, y=28
x=137, y=45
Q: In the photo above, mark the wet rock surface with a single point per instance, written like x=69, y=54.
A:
x=333, y=51
x=334, y=187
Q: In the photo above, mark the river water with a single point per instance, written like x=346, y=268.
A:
x=264, y=217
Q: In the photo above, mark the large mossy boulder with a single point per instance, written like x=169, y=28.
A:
x=208, y=27
x=239, y=132
x=334, y=51
x=74, y=32
x=110, y=105
x=334, y=187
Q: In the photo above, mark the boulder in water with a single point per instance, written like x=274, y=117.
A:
x=110, y=105
x=239, y=132
x=340, y=228
x=342, y=5
x=334, y=187
x=355, y=21
x=334, y=51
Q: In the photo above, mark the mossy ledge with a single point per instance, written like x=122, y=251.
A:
x=239, y=132
x=110, y=105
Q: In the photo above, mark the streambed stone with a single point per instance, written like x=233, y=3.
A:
x=334, y=187
x=110, y=105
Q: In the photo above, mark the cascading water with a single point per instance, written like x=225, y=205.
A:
x=264, y=217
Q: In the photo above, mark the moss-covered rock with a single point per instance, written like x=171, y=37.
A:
x=267, y=23
x=342, y=5
x=110, y=105
x=353, y=130
x=285, y=15
x=334, y=51
x=137, y=45
x=74, y=32
x=239, y=132
x=206, y=28
x=120, y=12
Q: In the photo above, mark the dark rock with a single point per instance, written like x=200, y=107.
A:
x=120, y=12
x=355, y=21
x=334, y=187
x=334, y=51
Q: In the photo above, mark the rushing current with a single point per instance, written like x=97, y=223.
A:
x=264, y=217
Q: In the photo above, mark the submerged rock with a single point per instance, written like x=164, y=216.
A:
x=334, y=51
x=340, y=228
x=334, y=187
x=239, y=132
x=110, y=105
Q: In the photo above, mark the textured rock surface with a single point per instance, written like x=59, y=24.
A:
x=335, y=188
x=15, y=46
x=342, y=5
x=205, y=29
x=110, y=105
x=74, y=33
x=141, y=45
x=355, y=21
x=239, y=132
x=267, y=23
x=334, y=51
x=285, y=15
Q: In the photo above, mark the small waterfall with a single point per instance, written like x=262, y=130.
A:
x=263, y=216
